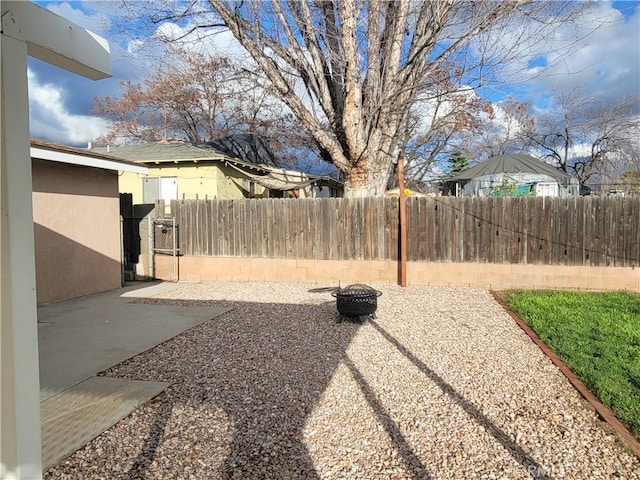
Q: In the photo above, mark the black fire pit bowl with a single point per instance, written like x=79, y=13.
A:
x=358, y=302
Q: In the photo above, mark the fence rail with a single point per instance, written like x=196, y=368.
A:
x=595, y=231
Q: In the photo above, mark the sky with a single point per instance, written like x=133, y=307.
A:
x=606, y=63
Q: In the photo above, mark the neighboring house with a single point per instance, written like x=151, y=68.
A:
x=76, y=217
x=178, y=170
x=512, y=175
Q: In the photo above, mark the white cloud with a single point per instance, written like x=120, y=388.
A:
x=605, y=63
x=50, y=119
x=220, y=42
x=97, y=23
x=212, y=41
x=599, y=52
x=432, y=107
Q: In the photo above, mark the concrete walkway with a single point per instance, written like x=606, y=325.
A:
x=81, y=337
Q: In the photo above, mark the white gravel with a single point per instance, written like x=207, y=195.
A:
x=442, y=385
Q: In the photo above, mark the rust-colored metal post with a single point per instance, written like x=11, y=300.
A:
x=402, y=214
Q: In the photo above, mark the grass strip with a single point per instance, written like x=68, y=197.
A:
x=597, y=335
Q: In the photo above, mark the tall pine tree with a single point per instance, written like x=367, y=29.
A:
x=458, y=163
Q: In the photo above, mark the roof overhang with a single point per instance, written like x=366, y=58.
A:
x=55, y=40
x=86, y=160
x=212, y=158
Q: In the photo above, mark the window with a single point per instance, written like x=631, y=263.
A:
x=546, y=189
x=159, y=188
x=249, y=188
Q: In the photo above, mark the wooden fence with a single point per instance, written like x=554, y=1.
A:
x=590, y=231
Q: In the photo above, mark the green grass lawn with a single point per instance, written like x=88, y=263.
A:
x=598, y=336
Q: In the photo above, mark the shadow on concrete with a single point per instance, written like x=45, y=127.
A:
x=86, y=335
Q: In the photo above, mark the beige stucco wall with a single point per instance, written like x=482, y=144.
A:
x=194, y=181
x=76, y=215
x=481, y=275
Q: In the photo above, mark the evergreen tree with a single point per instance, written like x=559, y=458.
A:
x=458, y=163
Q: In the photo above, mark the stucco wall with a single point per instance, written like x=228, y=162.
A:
x=76, y=215
x=194, y=181
x=481, y=275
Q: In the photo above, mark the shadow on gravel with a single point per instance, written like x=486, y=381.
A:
x=536, y=470
x=407, y=454
x=266, y=366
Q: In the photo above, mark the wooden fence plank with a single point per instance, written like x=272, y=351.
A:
x=567, y=250
x=485, y=228
x=565, y=231
x=326, y=219
x=560, y=234
x=513, y=223
x=576, y=232
x=438, y=228
x=394, y=215
x=421, y=252
x=469, y=227
x=500, y=238
x=414, y=216
x=633, y=239
x=615, y=217
x=600, y=242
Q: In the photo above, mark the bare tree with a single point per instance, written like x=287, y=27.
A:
x=198, y=98
x=351, y=71
x=435, y=129
x=631, y=182
x=191, y=99
x=503, y=128
x=589, y=138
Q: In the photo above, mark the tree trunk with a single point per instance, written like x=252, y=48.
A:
x=356, y=187
x=369, y=176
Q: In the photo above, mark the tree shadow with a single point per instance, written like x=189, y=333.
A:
x=536, y=470
x=266, y=367
x=152, y=442
x=411, y=460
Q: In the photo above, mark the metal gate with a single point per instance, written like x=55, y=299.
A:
x=165, y=250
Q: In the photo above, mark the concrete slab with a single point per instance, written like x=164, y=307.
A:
x=87, y=335
x=81, y=413
x=149, y=289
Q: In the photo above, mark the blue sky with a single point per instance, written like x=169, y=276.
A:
x=607, y=63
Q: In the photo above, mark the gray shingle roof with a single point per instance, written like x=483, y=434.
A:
x=512, y=163
x=164, y=152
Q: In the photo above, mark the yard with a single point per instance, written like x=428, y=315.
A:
x=443, y=384
x=598, y=336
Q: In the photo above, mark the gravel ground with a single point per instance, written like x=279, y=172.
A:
x=442, y=385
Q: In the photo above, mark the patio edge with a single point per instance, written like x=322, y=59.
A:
x=603, y=411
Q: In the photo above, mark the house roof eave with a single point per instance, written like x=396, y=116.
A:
x=43, y=150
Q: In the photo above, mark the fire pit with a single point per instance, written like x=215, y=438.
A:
x=356, y=301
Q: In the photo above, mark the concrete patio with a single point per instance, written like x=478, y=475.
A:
x=80, y=338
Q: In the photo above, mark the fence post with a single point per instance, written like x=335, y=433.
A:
x=402, y=214
x=174, y=252
x=150, y=240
